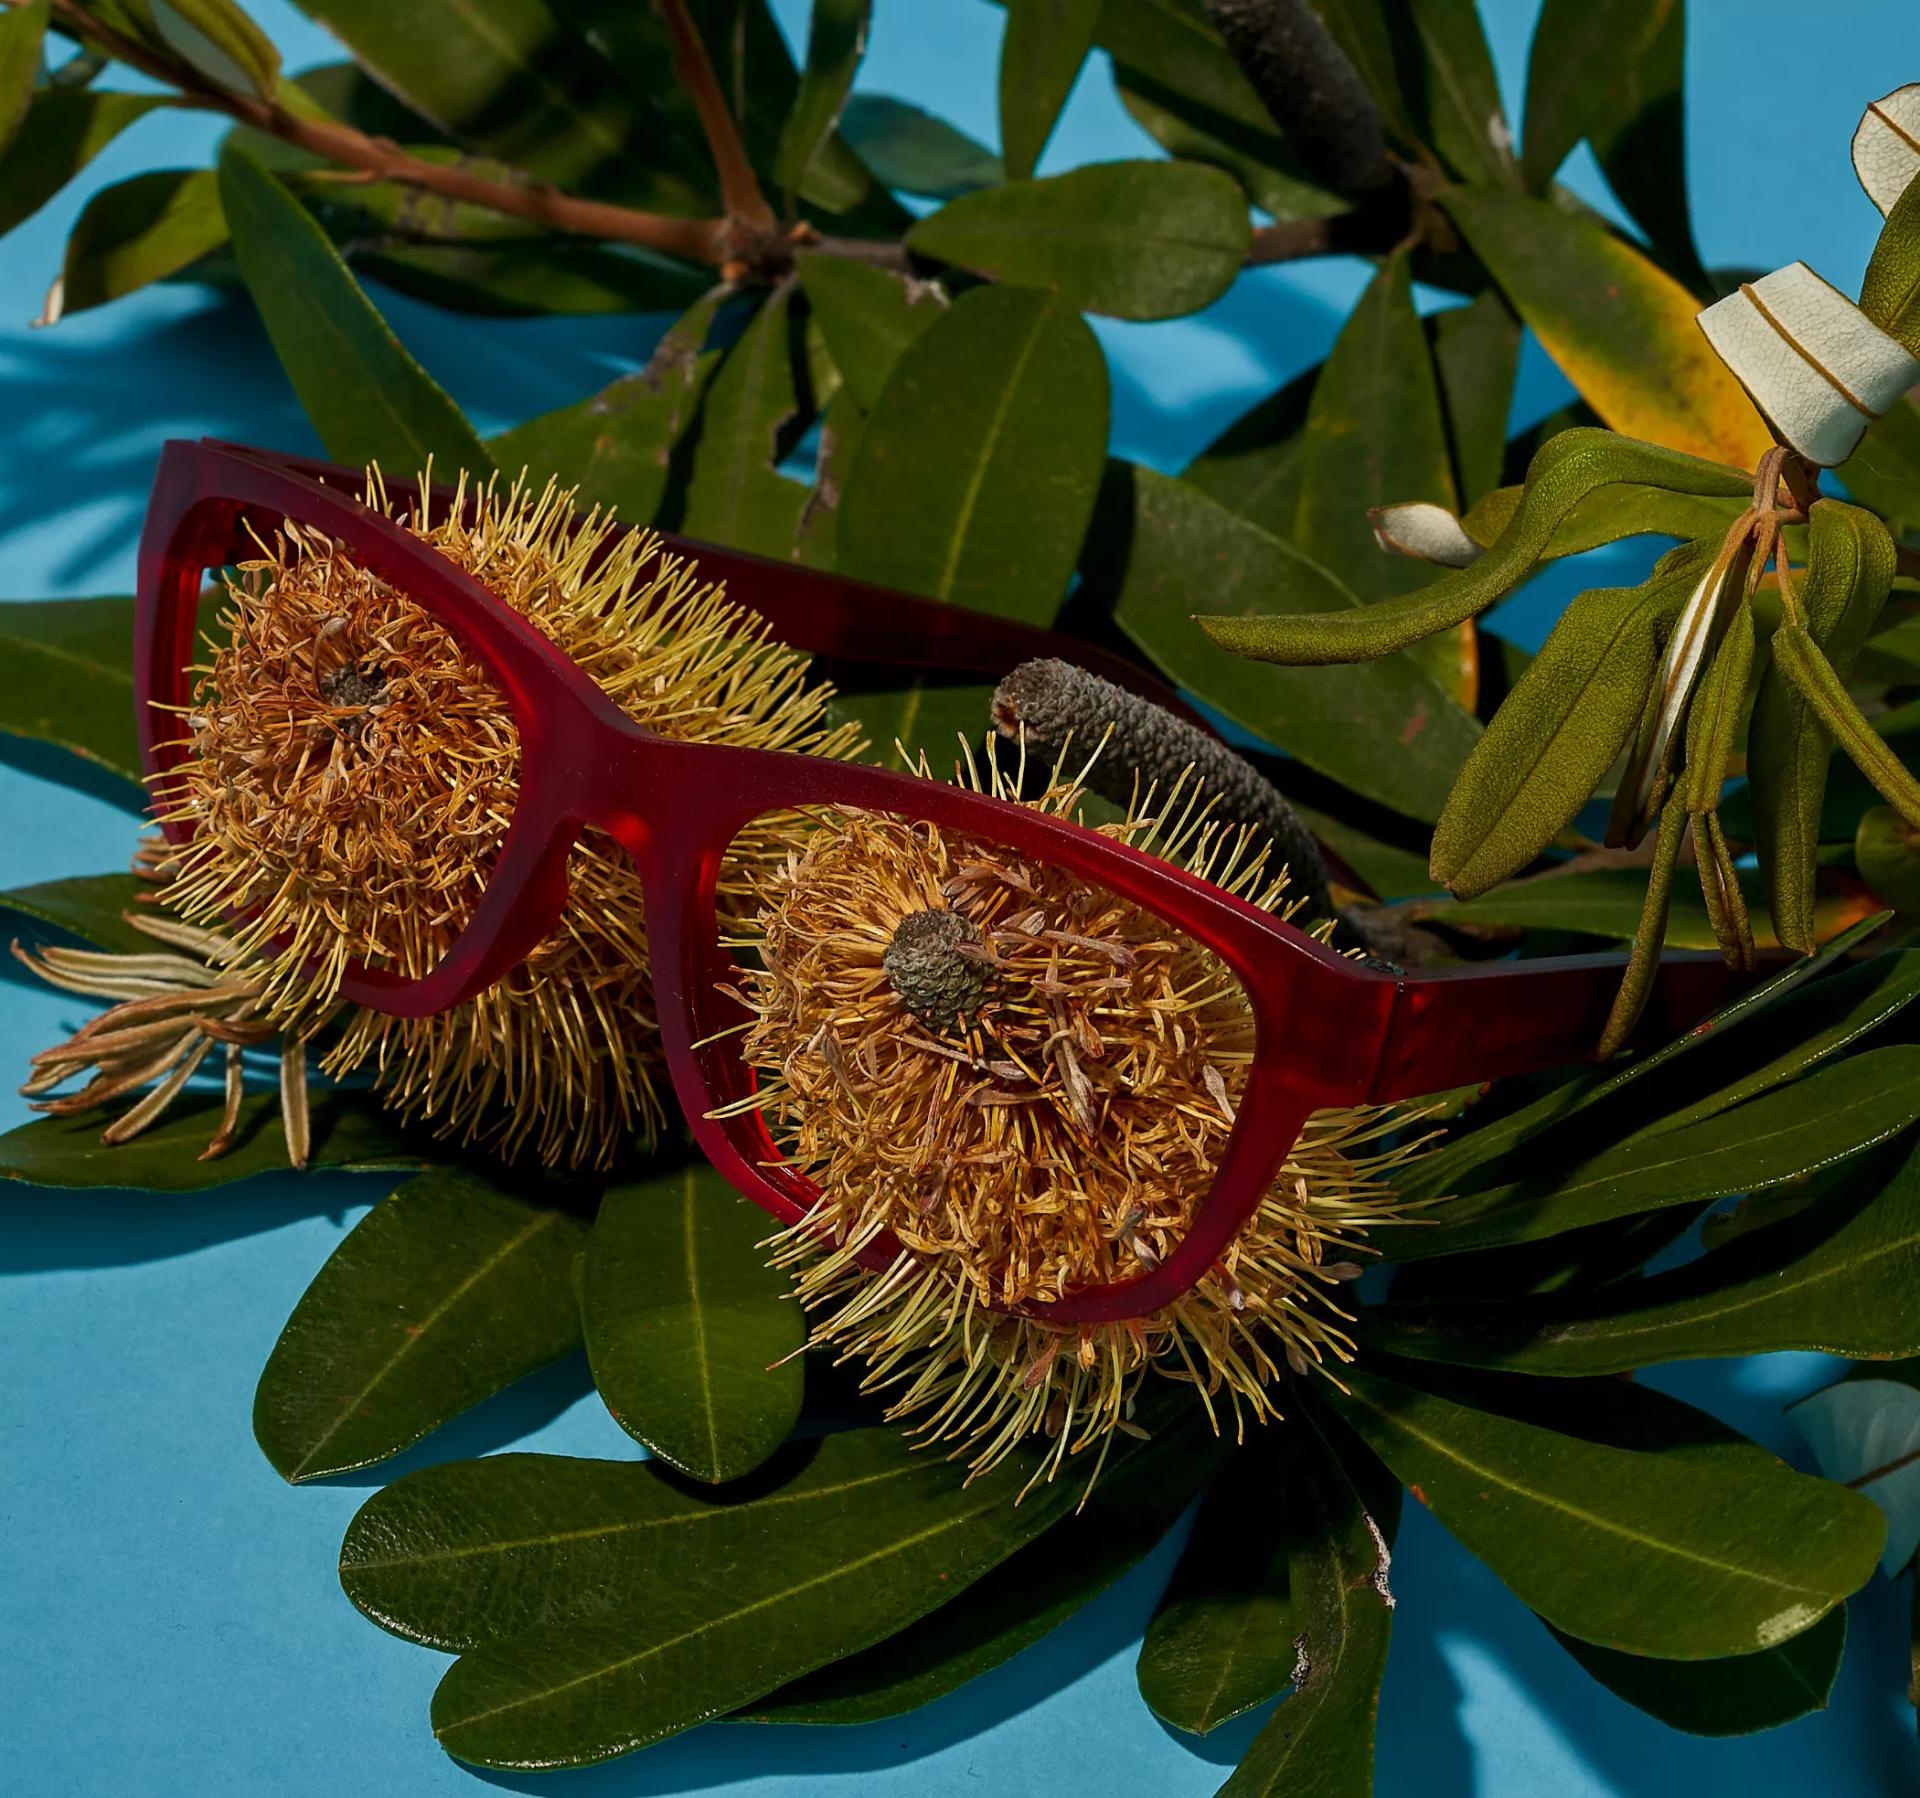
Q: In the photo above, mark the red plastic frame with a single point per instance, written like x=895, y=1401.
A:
x=1328, y=1032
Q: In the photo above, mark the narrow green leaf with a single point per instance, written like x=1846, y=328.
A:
x=1579, y=61
x=1886, y=851
x=1253, y=467
x=1719, y=709
x=23, y=30
x=1172, y=44
x=1731, y=1697
x=1635, y=1522
x=1387, y=729
x=909, y=149
x=1601, y=902
x=1046, y=41
x=567, y=275
x=221, y=41
x=1835, y=1112
x=1621, y=329
x=1639, y=136
x=978, y=466
x=1021, y=1600
x=1650, y=934
x=617, y=445
x=1848, y=575
x=836, y=40
x=349, y=1132
x=1890, y=293
x=1269, y=171
x=133, y=233
x=1799, y=658
x=1133, y=239
x=1567, y=470
x=1884, y=472
x=61, y=132
x=694, y=1341
x=1838, y=1277
x=368, y=399
x=446, y=1291
x=1458, y=93
x=1558, y=732
x=1319, y=1742
x=868, y=316
x=1476, y=353
x=65, y=679
x=89, y=906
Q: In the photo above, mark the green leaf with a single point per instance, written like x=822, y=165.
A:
x=1476, y=351
x=1886, y=851
x=1253, y=467
x=567, y=275
x=616, y=446
x=1133, y=239
x=1265, y=165
x=1635, y=1522
x=367, y=398
x=23, y=30
x=1714, y=719
x=221, y=42
x=1835, y=1112
x=1045, y=43
x=868, y=316
x=1602, y=902
x=61, y=132
x=1171, y=44
x=1567, y=471
x=1392, y=872
x=446, y=1291
x=89, y=906
x=977, y=469
x=1639, y=136
x=1461, y=115
x=735, y=495
x=1849, y=572
x=836, y=40
x=1027, y=1595
x=349, y=1132
x=910, y=149
x=1838, y=1277
x=1731, y=1697
x=1884, y=472
x=65, y=679
x=1579, y=61
x=694, y=1341
x=134, y=233
x=924, y=715
x=1890, y=293
x=1800, y=660
x=1559, y=730
x=1621, y=329
x=1319, y=1742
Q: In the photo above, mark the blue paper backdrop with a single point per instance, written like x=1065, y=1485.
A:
x=170, y=1621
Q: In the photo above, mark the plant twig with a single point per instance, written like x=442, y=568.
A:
x=746, y=205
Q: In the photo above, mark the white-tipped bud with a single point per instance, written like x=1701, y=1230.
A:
x=1426, y=532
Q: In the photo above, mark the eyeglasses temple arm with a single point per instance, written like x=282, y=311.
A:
x=1459, y=1028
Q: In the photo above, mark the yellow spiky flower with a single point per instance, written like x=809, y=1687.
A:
x=1029, y=1082
x=351, y=777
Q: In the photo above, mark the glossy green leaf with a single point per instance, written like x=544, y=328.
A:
x=1392, y=872
x=61, y=132
x=1634, y=1522
x=1837, y=1111
x=923, y=715
x=1253, y=467
x=1045, y=43
x=65, y=678
x=349, y=1132
x=735, y=495
x=1866, y=1433
x=1886, y=851
x=1319, y=1742
x=1172, y=44
x=1800, y=659
x=868, y=316
x=1456, y=91
x=617, y=445
x=1890, y=293
x=836, y=40
x=1581, y=53
x=1387, y=729
x=1265, y=165
x=1570, y=468
x=133, y=233
x=1849, y=572
x=694, y=1340
x=1734, y=1696
x=909, y=149
x=1029, y=1594
x=1838, y=1277
x=1134, y=239
x=1640, y=140
x=1558, y=732
x=1476, y=352
x=979, y=463
x=447, y=1290
x=221, y=42
x=89, y=906
x=366, y=397
x=569, y=275
x=1603, y=902
x=23, y=29
x=1621, y=329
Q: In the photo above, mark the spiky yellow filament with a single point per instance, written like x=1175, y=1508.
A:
x=352, y=775
x=1062, y=1133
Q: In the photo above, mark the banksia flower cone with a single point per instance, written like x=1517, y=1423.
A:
x=1029, y=1082
x=351, y=778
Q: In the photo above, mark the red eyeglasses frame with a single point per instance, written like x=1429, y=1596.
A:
x=1327, y=1031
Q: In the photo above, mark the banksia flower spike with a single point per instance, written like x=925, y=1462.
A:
x=1029, y=1082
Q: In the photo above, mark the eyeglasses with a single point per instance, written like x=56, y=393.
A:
x=1327, y=1032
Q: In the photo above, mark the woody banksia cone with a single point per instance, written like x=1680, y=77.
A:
x=351, y=777
x=1029, y=1082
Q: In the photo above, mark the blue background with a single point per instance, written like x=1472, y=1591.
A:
x=170, y=1620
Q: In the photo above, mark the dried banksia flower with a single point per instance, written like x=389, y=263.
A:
x=1029, y=1082
x=351, y=776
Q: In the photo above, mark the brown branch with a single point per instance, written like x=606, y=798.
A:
x=746, y=205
